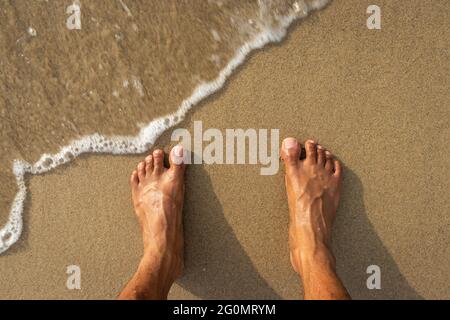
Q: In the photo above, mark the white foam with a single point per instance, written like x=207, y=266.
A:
x=147, y=136
x=31, y=31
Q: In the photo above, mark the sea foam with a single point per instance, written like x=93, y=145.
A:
x=147, y=136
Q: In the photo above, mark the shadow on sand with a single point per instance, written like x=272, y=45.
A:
x=357, y=246
x=217, y=267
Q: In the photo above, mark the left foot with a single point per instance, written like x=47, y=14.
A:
x=158, y=195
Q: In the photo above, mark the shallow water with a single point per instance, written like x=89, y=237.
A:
x=133, y=71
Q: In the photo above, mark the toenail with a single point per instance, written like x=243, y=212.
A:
x=157, y=152
x=289, y=143
x=319, y=147
x=141, y=165
x=148, y=159
x=178, y=151
x=311, y=141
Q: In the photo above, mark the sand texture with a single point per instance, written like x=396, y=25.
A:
x=379, y=99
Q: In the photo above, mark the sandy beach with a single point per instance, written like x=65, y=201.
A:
x=378, y=99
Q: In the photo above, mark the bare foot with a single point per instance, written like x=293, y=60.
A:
x=158, y=195
x=313, y=187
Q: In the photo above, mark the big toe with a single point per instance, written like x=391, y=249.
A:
x=290, y=152
x=176, y=159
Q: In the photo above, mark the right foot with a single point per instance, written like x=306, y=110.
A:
x=313, y=188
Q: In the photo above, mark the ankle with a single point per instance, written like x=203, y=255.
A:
x=320, y=257
x=158, y=273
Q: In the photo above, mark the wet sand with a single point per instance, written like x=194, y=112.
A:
x=378, y=99
x=121, y=70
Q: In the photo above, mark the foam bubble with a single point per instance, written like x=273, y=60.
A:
x=31, y=31
x=147, y=136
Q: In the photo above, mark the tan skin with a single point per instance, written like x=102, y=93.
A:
x=313, y=188
x=158, y=195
